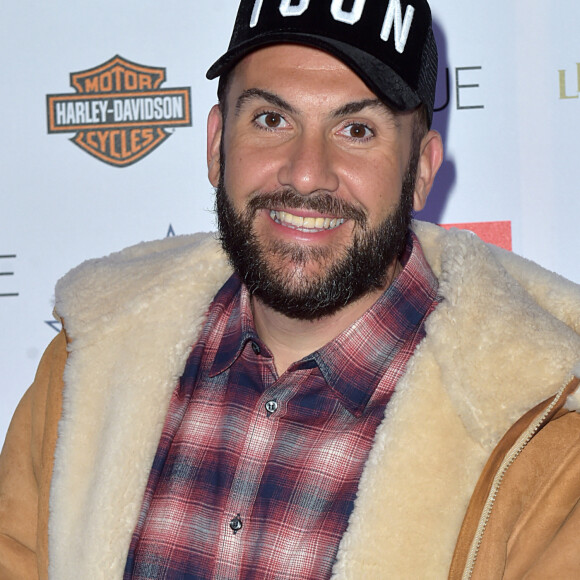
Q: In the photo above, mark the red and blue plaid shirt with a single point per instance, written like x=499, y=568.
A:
x=256, y=475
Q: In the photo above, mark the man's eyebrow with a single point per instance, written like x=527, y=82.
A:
x=267, y=96
x=358, y=106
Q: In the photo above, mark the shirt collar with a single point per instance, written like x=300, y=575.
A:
x=355, y=361
x=239, y=328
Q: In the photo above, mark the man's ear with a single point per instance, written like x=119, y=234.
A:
x=430, y=160
x=214, y=135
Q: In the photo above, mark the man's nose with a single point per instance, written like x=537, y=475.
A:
x=309, y=165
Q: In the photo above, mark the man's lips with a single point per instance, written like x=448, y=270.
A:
x=305, y=224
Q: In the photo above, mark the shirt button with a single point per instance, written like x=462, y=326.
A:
x=256, y=347
x=236, y=524
x=271, y=406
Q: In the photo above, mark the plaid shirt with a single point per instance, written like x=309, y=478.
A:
x=255, y=475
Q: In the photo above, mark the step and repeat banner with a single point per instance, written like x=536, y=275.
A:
x=102, y=139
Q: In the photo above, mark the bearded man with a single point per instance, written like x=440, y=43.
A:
x=327, y=393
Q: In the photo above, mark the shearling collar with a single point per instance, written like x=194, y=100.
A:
x=504, y=338
x=506, y=334
x=497, y=344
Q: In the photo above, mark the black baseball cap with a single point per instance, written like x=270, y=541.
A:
x=389, y=44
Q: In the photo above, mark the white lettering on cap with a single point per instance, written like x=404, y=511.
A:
x=394, y=16
x=286, y=9
x=256, y=13
x=351, y=17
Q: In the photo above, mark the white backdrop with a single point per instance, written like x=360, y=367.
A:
x=510, y=120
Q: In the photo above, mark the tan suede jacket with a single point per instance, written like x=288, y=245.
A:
x=442, y=494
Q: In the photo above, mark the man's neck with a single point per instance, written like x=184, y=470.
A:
x=291, y=339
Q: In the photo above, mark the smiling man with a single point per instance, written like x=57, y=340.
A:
x=334, y=390
x=319, y=174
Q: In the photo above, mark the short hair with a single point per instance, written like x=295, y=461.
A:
x=222, y=91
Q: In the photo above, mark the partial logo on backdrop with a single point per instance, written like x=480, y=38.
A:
x=467, y=88
x=6, y=273
x=569, y=83
x=120, y=112
x=497, y=233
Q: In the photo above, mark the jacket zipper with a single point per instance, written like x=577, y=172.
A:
x=510, y=457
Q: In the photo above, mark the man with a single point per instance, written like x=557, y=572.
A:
x=329, y=408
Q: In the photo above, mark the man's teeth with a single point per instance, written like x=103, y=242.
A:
x=305, y=224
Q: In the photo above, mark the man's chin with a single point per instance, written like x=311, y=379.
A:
x=304, y=289
x=294, y=277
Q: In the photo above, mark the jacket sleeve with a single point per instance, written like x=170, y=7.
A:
x=26, y=465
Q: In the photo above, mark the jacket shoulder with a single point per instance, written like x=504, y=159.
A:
x=451, y=251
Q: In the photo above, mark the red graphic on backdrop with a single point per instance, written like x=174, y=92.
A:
x=497, y=233
x=119, y=112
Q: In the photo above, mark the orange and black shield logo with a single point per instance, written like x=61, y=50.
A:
x=119, y=112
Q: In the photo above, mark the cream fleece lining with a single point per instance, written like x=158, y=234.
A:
x=492, y=350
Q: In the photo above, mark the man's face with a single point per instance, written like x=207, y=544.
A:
x=310, y=169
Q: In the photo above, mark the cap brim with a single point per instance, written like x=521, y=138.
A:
x=379, y=77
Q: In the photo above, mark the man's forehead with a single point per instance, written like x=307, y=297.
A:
x=297, y=71
x=284, y=63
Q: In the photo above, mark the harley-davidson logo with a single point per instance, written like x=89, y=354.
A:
x=119, y=112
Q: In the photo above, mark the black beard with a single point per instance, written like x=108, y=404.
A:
x=358, y=270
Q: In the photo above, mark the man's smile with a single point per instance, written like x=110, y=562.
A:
x=305, y=224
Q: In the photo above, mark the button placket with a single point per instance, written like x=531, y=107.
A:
x=259, y=438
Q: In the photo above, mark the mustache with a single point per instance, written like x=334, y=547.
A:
x=321, y=202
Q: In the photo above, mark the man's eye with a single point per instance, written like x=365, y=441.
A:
x=358, y=131
x=271, y=120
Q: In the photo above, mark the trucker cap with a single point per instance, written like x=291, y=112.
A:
x=389, y=44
